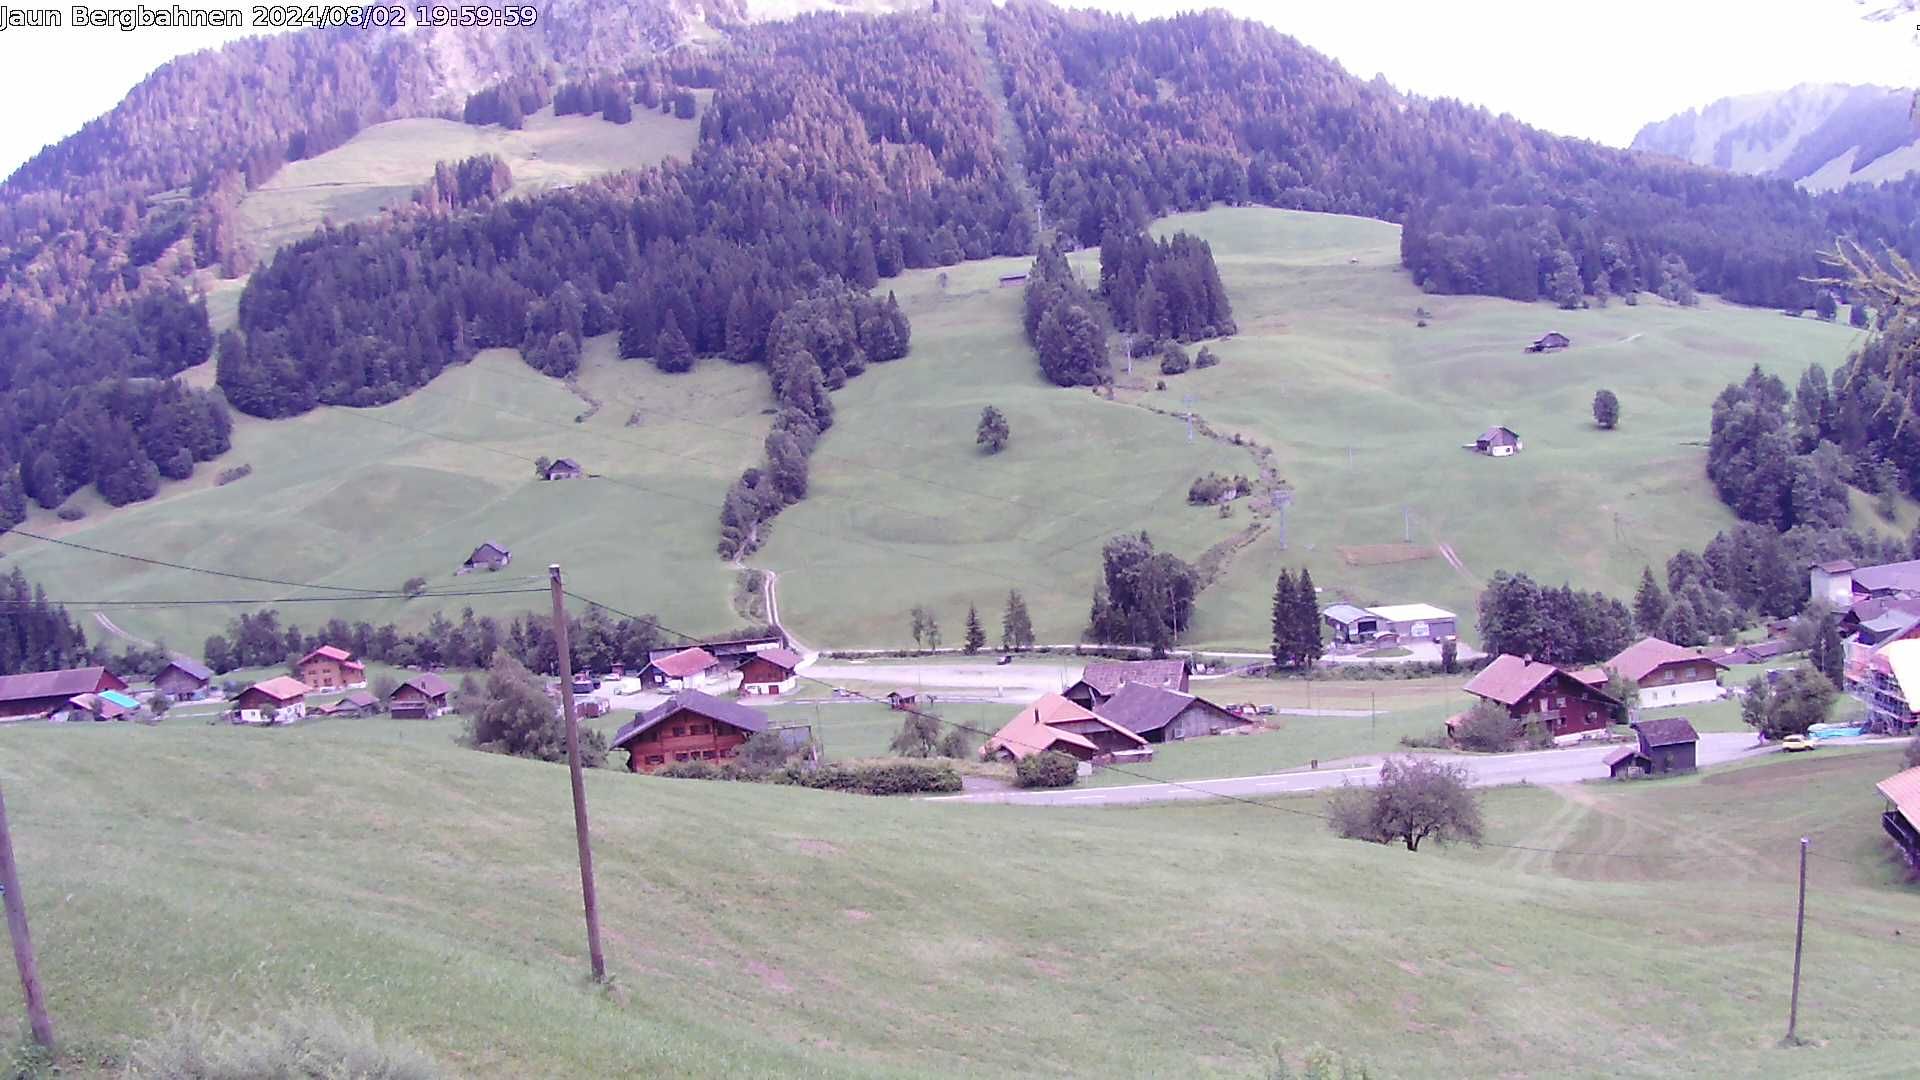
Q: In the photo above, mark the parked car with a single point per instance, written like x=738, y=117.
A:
x=1004, y=660
x=1266, y=710
x=1793, y=744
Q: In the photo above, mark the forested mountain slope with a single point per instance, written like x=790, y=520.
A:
x=1820, y=136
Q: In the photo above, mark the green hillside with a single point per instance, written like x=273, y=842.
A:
x=382, y=165
x=382, y=871
x=1365, y=413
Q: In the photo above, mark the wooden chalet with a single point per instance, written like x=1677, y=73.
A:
x=355, y=703
x=770, y=672
x=563, y=469
x=184, y=680
x=1498, y=441
x=689, y=726
x=1902, y=817
x=1159, y=715
x=1667, y=674
x=687, y=669
x=488, y=556
x=420, y=697
x=41, y=694
x=279, y=700
x=903, y=698
x=1101, y=680
x=330, y=667
x=1537, y=693
x=1551, y=341
x=1055, y=723
x=1663, y=746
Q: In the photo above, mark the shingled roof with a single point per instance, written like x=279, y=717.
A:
x=1641, y=658
x=428, y=683
x=1107, y=676
x=50, y=684
x=1141, y=708
x=1031, y=730
x=328, y=652
x=1509, y=679
x=1666, y=731
x=191, y=667
x=693, y=701
x=281, y=688
x=685, y=662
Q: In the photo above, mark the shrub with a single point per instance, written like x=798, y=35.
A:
x=1213, y=487
x=1048, y=769
x=955, y=744
x=1206, y=359
x=228, y=476
x=1173, y=359
x=1486, y=727
x=159, y=704
x=293, y=1044
x=875, y=777
x=414, y=586
x=70, y=513
x=1437, y=741
x=690, y=770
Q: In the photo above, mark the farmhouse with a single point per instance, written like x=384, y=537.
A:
x=330, y=668
x=1551, y=341
x=1902, y=817
x=1537, y=693
x=903, y=698
x=1840, y=584
x=770, y=672
x=563, y=469
x=357, y=703
x=183, y=680
x=43, y=693
x=1666, y=745
x=1667, y=674
x=1055, y=723
x=280, y=700
x=1497, y=442
x=420, y=697
x=689, y=726
x=688, y=669
x=1159, y=715
x=488, y=556
x=1100, y=681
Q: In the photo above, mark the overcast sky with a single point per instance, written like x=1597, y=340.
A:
x=1594, y=70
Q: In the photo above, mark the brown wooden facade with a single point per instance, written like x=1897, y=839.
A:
x=683, y=736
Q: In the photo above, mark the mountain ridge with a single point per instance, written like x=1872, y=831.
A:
x=1821, y=136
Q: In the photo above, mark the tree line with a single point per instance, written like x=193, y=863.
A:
x=1065, y=323
x=1562, y=626
x=1144, y=597
x=1126, y=120
x=1164, y=289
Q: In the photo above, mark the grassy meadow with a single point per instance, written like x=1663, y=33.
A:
x=380, y=870
x=1365, y=413
x=381, y=166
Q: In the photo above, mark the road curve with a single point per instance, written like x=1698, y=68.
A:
x=1562, y=766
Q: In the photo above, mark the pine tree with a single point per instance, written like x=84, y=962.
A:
x=1016, y=628
x=1306, y=614
x=976, y=636
x=1829, y=652
x=671, y=351
x=1285, y=647
x=1649, y=603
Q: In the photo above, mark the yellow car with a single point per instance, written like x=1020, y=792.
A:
x=1793, y=744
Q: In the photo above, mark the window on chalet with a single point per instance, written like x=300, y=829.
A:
x=707, y=754
x=682, y=756
x=679, y=730
x=700, y=729
x=656, y=759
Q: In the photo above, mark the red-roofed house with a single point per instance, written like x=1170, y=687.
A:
x=1668, y=674
x=330, y=668
x=1537, y=693
x=1902, y=817
x=280, y=700
x=1054, y=723
x=688, y=669
x=769, y=672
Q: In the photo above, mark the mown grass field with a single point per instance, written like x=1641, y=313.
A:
x=381, y=166
x=381, y=870
x=1365, y=412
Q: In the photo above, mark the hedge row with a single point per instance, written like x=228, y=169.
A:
x=870, y=778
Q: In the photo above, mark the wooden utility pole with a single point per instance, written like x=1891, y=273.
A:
x=1799, y=938
x=16, y=903
x=581, y=833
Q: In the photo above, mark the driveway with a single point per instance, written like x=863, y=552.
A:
x=1566, y=766
x=1015, y=683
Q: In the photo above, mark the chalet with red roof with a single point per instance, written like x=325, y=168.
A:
x=1057, y=724
x=40, y=694
x=688, y=669
x=279, y=700
x=689, y=726
x=1537, y=693
x=330, y=667
x=770, y=672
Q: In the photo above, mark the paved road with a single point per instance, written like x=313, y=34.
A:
x=1535, y=767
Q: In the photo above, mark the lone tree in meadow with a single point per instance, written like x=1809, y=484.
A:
x=976, y=635
x=1606, y=410
x=993, y=432
x=1414, y=800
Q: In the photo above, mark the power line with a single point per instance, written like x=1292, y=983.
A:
x=266, y=600
x=195, y=569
